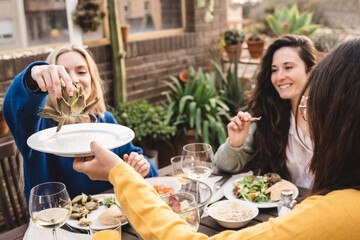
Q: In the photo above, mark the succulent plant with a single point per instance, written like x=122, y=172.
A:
x=256, y=37
x=325, y=41
x=233, y=37
x=68, y=106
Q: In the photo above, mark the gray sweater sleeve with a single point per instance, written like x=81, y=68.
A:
x=233, y=160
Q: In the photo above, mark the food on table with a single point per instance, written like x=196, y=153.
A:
x=68, y=106
x=162, y=190
x=82, y=205
x=109, y=201
x=112, y=212
x=253, y=189
x=232, y=212
x=84, y=222
x=275, y=190
x=180, y=207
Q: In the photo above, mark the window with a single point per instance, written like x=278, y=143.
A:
x=6, y=31
x=153, y=17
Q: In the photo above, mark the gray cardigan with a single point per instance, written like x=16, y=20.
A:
x=233, y=160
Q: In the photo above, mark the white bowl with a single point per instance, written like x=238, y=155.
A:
x=231, y=205
x=166, y=181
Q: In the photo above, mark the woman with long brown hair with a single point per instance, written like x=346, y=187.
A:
x=333, y=113
x=271, y=144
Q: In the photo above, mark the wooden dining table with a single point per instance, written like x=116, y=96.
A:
x=207, y=225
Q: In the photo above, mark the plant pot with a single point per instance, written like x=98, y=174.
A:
x=125, y=32
x=183, y=75
x=231, y=52
x=180, y=142
x=256, y=48
x=4, y=129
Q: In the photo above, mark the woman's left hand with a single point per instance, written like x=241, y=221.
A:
x=138, y=162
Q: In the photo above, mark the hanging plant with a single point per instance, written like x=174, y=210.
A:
x=209, y=4
x=88, y=15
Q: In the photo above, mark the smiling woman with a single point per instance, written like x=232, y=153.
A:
x=272, y=143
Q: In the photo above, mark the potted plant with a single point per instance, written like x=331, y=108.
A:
x=233, y=43
x=288, y=21
x=146, y=120
x=256, y=44
x=88, y=15
x=4, y=129
x=325, y=41
x=196, y=107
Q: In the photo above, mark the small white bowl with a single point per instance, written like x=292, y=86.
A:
x=228, y=206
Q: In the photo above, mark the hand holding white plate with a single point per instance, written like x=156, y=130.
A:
x=74, y=139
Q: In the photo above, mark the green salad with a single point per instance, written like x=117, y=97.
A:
x=252, y=189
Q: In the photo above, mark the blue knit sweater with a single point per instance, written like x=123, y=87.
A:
x=20, y=109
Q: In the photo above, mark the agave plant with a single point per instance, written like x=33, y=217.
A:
x=68, y=106
x=291, y=21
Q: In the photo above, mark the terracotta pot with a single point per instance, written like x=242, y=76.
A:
x=4, y=129
x=231, y=52
x=256, y=48
x=125, y=32
x=183, y=75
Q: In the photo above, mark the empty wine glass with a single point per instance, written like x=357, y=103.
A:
x=197, y=161
x=50, y=205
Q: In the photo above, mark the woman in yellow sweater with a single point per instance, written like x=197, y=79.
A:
x=333, y=113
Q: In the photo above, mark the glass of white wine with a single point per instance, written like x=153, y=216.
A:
x=197, y=161
x=50, y=205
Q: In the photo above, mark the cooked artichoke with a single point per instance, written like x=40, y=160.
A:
x=68, y=106
x=272, y=178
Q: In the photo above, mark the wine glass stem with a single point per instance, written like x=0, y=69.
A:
x=54, y=234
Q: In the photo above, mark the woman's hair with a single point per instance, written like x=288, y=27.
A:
x=271, y=135
x=96, y=82
x=333, y=110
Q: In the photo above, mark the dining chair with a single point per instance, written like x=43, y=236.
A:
x=13, y=208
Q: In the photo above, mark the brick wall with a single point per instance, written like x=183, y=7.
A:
x=151, y=61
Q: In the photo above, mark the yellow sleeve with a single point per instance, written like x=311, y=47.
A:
x=315, y=218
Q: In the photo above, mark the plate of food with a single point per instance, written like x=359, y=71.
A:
x=165, y=185
x=73, y=140
x=86, y=208
x=262, y=191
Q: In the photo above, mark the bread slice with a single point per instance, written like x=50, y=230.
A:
x=275, y=189
x=113, y=211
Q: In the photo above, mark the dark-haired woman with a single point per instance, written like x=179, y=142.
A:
x=272, y=144
x=333, y=114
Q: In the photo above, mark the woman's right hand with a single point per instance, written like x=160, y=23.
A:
x=50, y=78
x=238, y=129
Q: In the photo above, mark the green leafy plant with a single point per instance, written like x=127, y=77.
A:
x=325, y=41
x=287, y=21
x=88, y=15
x=146, y=120
x=231, y=87
x=197, y=105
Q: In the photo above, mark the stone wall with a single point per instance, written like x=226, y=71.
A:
x=150, y=61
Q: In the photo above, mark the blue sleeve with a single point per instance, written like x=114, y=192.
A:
x=20, y=109
x=128, y=148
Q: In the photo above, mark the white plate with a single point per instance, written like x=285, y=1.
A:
x=228, y=192
x=172, y=182
x=93, y=215
x=74, y=140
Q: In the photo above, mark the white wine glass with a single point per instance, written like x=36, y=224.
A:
x=50, y=205
x=197, y=161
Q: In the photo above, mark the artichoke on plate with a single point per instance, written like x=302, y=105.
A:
x=68, y=106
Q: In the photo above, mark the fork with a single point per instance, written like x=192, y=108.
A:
x=221, y=182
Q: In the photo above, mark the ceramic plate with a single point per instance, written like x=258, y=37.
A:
x=166, y=181
x=93, y=214
x=228, y=192
x=74, y=140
